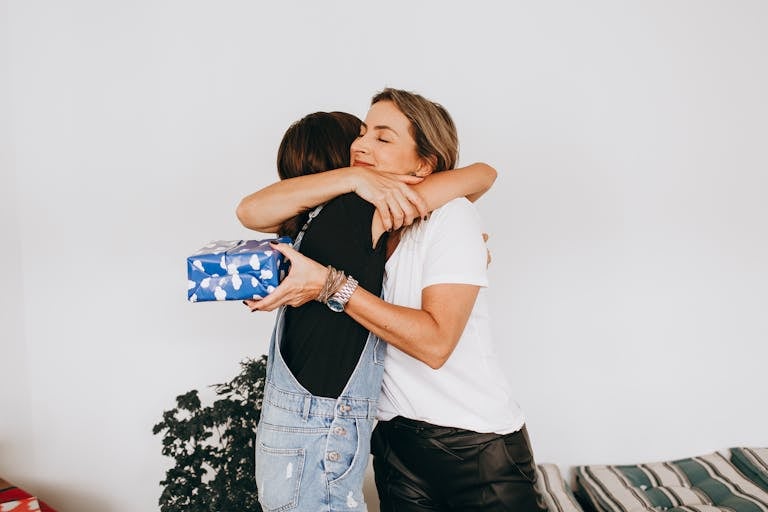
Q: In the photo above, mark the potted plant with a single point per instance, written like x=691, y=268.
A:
x=213, y=446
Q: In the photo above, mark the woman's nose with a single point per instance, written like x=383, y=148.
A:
x=359, y=145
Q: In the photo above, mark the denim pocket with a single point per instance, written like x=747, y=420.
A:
x=351, y=441
x=278, y=477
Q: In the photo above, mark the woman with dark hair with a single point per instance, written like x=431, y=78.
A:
x=325, y=369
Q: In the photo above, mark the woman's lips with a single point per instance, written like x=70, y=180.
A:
x=358, y=163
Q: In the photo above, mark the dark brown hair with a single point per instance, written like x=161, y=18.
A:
x=315, y=143
x=432, y=127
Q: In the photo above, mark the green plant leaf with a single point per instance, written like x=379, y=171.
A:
x=213, y=446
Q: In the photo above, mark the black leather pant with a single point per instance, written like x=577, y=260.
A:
x=424, y=467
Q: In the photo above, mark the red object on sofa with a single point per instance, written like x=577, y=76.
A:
x=25, y=505
x=9, y=492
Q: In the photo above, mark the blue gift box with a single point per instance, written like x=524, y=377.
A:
x=235, y=270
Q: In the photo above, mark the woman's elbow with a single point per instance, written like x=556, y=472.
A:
x=490, y=174
x=440, y=355
x=435, y=362
x=244, y=215
x=487, y=177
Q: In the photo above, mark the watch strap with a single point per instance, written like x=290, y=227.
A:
x=342, y=296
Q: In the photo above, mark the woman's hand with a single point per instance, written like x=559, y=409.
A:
x=487, y=250
x=397, y=203
x=303, y=283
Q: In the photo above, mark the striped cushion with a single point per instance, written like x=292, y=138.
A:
x=710, y=483
x=753, y=462
x=557, y=495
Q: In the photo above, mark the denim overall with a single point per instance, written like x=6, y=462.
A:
x=312, y=452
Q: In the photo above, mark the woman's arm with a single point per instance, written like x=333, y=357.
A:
x=471, y=182
x=396, y=203
x=428, y=334
x=267, y=208
x=437, y=189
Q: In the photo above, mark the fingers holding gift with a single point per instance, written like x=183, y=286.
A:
x=303, y=283
x=278, y=297
x=251, y=304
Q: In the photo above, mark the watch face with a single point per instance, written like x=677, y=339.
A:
x=335, y=305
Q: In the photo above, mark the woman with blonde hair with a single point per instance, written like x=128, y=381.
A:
x=324, y=371
x=450, y=435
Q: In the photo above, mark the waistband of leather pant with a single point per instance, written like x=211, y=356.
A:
x=431, y=429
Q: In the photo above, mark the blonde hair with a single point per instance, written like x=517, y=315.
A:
x=431, y=127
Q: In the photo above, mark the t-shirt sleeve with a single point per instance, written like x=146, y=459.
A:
x=456, y=252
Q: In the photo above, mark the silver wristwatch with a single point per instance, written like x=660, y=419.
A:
x=339, y=299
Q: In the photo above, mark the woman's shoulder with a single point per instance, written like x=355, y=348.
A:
x=456, y=216
x=460, y=207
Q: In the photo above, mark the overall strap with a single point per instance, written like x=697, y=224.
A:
x=312, y=215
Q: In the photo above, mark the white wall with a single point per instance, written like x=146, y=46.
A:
x=15, y=442
x=628, y=226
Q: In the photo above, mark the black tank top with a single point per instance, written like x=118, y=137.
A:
x=321, y=347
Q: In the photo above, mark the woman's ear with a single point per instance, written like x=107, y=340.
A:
x=427, y=166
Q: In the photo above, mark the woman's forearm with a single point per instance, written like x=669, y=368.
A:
x=437, y=189
x=429, y=334
x=390, y=193
x=471, y=182
x=267, y=208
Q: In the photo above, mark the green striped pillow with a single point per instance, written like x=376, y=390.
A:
x=709, y=483
x=557, y=495
x=753, y=462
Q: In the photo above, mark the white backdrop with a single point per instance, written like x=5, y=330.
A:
x=629, y=225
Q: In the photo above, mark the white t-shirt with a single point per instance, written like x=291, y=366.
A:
x=470, y=390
